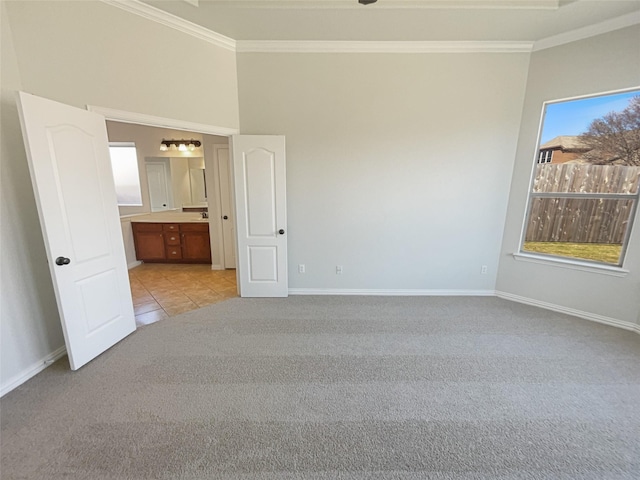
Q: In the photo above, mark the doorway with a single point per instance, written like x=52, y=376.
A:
x=182, y=180
x=178, y=181
x=259, y=197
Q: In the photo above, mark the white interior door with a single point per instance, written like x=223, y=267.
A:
x=158, y=186
x=226, y=206
x=68, y=155
x=261, y=214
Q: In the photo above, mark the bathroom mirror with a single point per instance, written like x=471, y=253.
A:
x=176, y=182
x=198, y=185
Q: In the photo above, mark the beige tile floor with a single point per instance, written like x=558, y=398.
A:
x=162, y=290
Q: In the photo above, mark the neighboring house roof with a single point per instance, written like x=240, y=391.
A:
x=566, y=143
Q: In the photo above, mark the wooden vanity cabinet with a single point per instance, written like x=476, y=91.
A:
x=172, y=242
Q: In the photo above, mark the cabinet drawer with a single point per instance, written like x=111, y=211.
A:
x=146, y=227
x=174, y=252
x=171, y=227
x=172, y=238
x=194, y=227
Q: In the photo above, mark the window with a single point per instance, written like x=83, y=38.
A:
x=124, y=163
x=545, y=156
x=583, y=209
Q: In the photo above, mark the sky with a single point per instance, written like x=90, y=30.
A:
x=573, y=117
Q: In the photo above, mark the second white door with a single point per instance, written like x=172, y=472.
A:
x=261, y=214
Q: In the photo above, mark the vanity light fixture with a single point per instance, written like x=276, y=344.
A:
x=180, y=145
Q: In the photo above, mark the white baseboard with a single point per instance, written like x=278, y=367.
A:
x=391, y=293
x=32, y=370
x=594, y=317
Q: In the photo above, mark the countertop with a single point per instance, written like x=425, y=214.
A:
x=195, y=205
x=170, y=217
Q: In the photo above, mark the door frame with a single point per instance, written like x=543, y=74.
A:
x=163, y=122
x=218, y=181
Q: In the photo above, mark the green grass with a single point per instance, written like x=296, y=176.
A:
x=599, y=252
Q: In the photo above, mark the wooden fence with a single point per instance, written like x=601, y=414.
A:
x=581, y=220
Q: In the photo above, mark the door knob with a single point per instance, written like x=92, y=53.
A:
x=63, y=261
x=225, y=217
x=281, y=231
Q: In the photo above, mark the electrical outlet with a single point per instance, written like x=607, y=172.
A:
x=301, y=268
x=483, y=270
x=338, y=269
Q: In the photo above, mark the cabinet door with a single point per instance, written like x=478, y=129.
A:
x=149, y=241
x=195, y=243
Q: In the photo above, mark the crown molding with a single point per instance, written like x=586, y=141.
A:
x=278, y=46
x=284, y=46
x=607, y=26
x=160, y=16
x=391, y=4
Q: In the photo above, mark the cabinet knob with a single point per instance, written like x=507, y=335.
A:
x=281, y=231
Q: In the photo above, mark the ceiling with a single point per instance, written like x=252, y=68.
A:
x=395, y=20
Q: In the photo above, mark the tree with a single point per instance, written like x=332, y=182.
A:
x=615, y=137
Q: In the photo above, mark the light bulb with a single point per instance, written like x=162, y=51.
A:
x=182, y=147
x=192, y=147
x=163, y=147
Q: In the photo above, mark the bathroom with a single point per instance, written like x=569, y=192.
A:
x=186, y=188
x=195, y=179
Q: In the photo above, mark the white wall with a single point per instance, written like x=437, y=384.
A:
x=92, y=53
x=30, y=329
x=398, y=165
x=83, y=53
x=604, y=63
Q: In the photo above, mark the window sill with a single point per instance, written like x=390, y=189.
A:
x=572, y=264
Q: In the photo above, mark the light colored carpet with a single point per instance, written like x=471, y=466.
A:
x=339, y=388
